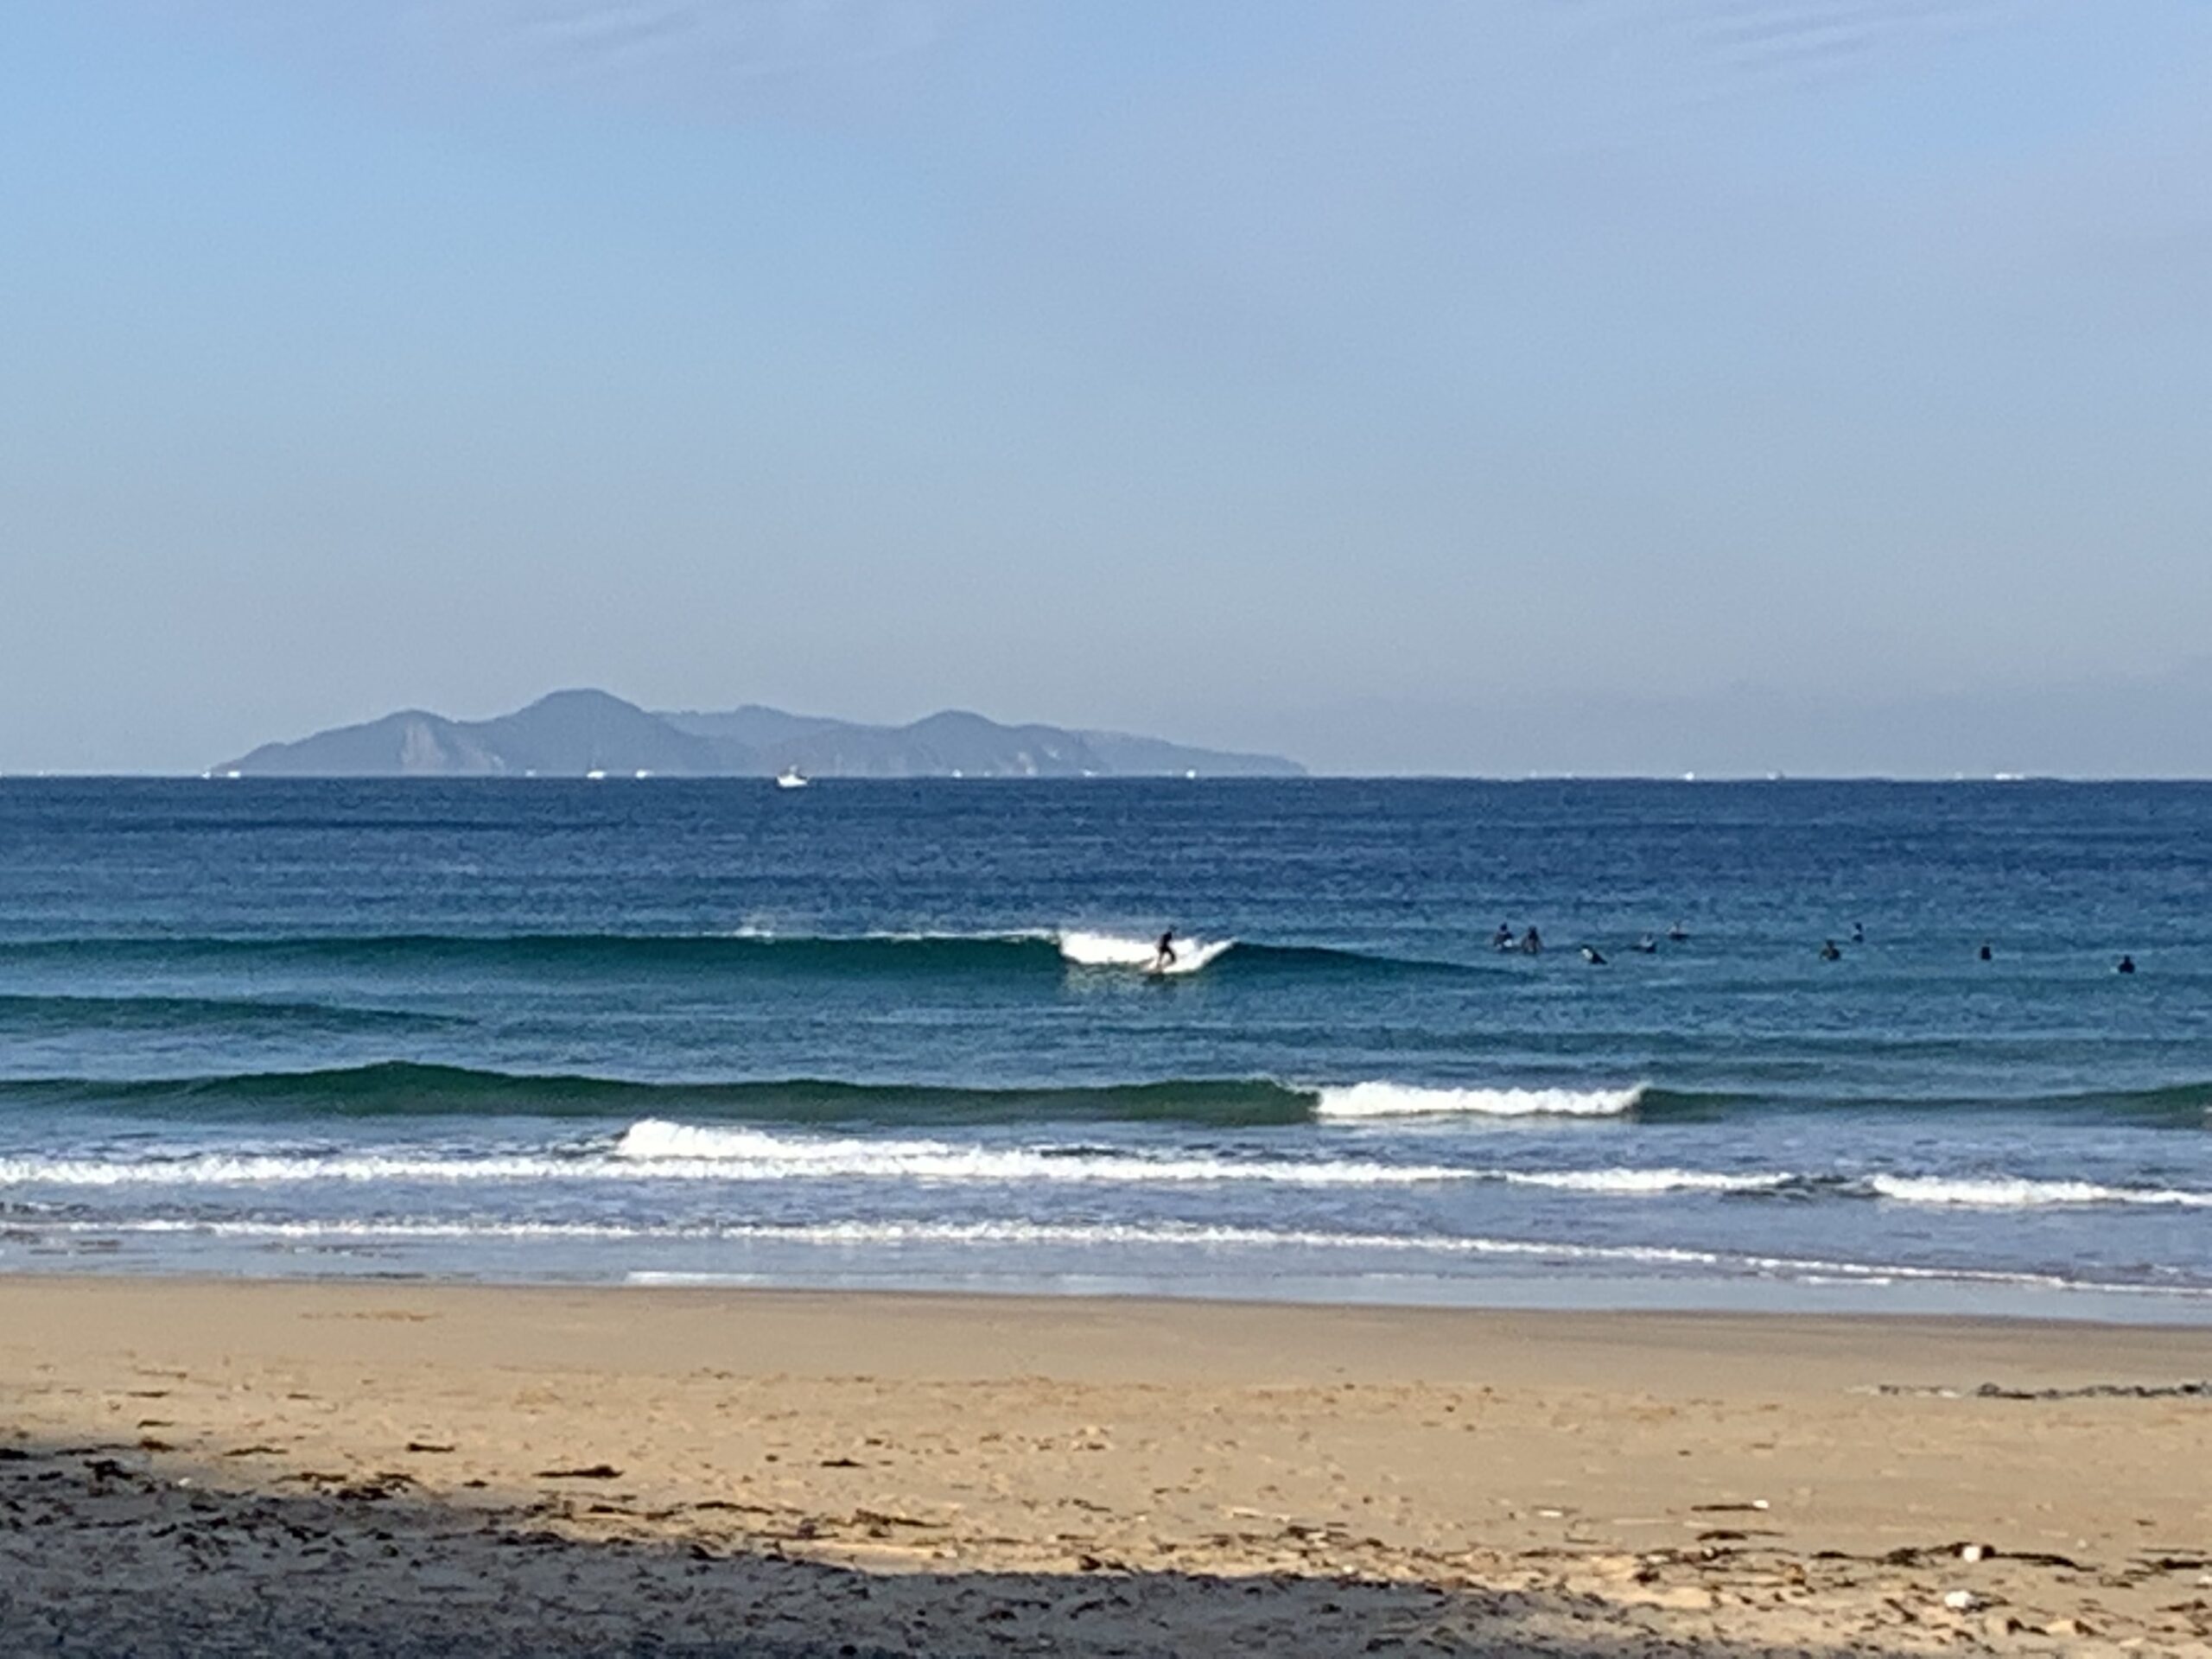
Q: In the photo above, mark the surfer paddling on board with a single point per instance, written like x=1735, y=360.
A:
x=1164, y=957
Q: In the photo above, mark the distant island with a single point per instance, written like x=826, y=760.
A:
x=585, y=732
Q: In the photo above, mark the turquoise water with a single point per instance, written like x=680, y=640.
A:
x=895, y=1033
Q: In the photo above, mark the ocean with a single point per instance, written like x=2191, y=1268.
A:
x=897, y=1034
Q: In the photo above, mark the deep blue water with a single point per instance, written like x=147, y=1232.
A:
x=858, y=1034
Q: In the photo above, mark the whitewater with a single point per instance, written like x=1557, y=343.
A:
x=654, y=1151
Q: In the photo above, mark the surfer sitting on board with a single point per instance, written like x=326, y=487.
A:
x=1164, y=958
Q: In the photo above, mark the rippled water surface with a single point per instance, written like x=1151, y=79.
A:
x=901, y=1033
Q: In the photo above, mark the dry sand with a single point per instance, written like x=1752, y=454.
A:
x=290, y=1468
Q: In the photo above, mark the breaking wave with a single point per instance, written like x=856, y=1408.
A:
x=405, y=1088
x=736, y=951
x=657, y=1150
x=660, y=1150
x=397, y=1088
x=2007, y=1192
x=1404, y=1100
x=1111, y=951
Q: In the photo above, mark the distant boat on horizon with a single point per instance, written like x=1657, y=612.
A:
x=791, y=777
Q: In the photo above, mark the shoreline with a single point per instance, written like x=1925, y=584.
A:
x=1933, y=1296
x=925, y=1473
x=744, y=1288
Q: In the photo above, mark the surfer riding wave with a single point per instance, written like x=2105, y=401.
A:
x=1169, y=955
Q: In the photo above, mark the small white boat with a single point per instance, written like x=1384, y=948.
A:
x=791, y=777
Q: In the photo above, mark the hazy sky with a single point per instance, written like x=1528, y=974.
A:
x=1352, y=378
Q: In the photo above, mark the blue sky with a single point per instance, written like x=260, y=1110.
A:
x=1405, y=385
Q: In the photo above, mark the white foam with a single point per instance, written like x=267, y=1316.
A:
x=1645, y=1182
x=218, y=1169
x=2011, y=1193
x=654, y=1150
x=660, y=1147
x=1404, y=1100
x=1111, y=951
x=894, y=1233
x=383, y=1229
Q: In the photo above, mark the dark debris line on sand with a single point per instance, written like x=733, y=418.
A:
x=2088, y=1391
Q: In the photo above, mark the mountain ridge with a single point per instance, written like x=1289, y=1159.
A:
x=583, y=731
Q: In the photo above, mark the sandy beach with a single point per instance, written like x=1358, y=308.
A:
x=201, y=1467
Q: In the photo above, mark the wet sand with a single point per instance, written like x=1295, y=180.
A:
x=205, y=1467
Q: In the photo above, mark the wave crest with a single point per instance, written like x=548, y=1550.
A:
x=1113, y=951
x=743, y=951
x=658, y=1148
x=1639, y=1183
x=2012, y=1192
x=1406, y=1100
